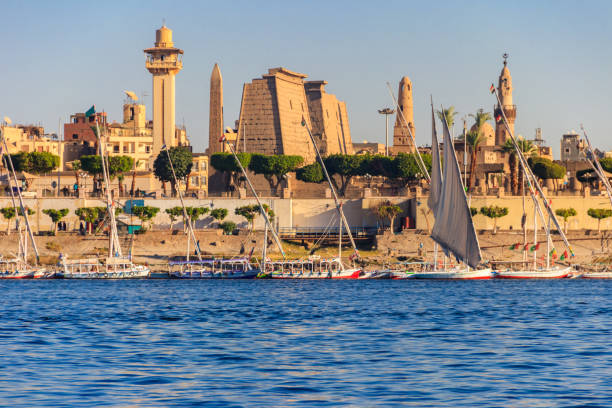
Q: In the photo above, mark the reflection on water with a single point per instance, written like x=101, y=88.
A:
x=296, y=343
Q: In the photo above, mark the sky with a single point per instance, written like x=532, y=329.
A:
x=62, y=57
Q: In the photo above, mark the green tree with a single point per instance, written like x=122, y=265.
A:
x=494, y=212
x=174, y=213
x=311, y=173
x=546, y=169
x=606, y=164
x=226, y=164
x=145, y=213
x=35, y=162
x=228, y=227
x=565, y=213
x=473, y=211
x=274, y=168
x=194, y=213
x=56, y=216
x=219, y=213
x=8, y=213
x=406, y=168
x=387, y=210
x=89, y=215
x=344, y=167
x=249, y=212
x=182, y=161
x=76, y=169
x=599, y=214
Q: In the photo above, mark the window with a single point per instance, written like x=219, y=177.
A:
x=290, y=104
x=194, y=181
x=115, y=149
x=125, y=149
x=195, y=166
x=75, y=136
x=148, y=149
x=204, y=166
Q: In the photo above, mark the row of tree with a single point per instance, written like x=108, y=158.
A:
x=342, y=168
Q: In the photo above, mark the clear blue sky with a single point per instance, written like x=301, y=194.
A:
x=62, y=57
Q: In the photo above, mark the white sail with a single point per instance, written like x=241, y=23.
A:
x=454, y=230
x=435, y=186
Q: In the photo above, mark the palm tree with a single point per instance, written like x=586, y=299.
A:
x=509, y=148
x=448, y=114
x=475, y=138
x=528, y=149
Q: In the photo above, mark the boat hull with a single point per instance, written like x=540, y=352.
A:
x=552, y=273
x=461, y=274
x=595, y=275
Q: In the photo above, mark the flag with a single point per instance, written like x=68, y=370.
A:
x=553, y=253
x=535, y=247
x=526, y=247
x=498, y=117
x=515, y=246
x=222, y=138
x=90, y=111
x=492, y=88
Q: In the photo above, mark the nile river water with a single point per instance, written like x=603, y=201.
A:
x=306, y=343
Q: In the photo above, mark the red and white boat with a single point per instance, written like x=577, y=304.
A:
x=314, y=267
x=458, y=273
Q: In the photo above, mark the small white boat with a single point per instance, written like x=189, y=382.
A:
x=457, y=273
x=594, y=275
x=16, y=268
x=557, y=272
x=314, y=267
x=112, y=268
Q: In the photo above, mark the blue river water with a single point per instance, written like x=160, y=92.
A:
x=306, y=343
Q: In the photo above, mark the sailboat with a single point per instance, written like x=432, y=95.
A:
x=115, y=266
x=18, y=267
x=453, y=229
x=536, y=272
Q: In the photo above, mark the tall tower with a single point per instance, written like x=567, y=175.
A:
x=402, y=142
x=215, y=121
x=164, y=62
x=504, y=89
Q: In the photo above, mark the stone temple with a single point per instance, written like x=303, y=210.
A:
x=271, y=114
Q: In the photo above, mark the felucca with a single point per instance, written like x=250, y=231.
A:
x=453, y=229
x=546, y=271
x=18, y=267
x=115, y=265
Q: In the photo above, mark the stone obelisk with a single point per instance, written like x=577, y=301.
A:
x=215, y=123
x=402, y=142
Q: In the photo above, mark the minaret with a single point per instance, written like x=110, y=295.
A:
x=402, y=142
x=164, y=62
x=504, y=89
x=215, y=121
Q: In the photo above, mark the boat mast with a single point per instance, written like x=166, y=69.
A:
x=597, y=166
x=331, y=186
x=24, y=211
x=261, y=209
x=535, y=239
x=113, y=239
x=532, y=183
x=185, y=215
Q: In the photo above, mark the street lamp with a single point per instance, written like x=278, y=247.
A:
x=386, y=112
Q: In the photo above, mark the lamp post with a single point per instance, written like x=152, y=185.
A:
x=386, y=112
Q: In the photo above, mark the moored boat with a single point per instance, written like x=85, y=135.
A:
x=558, y=272
x=458, y=273
x=219, y=268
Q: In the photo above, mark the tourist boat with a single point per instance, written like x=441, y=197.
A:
x=115, y=265
x=555, y=272
x=94, y=268
x=18, y=267
x=457, y=273
x=217, y=268
x=595, y=275
x=314, y=267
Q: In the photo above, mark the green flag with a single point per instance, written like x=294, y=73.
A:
x=90, y=111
